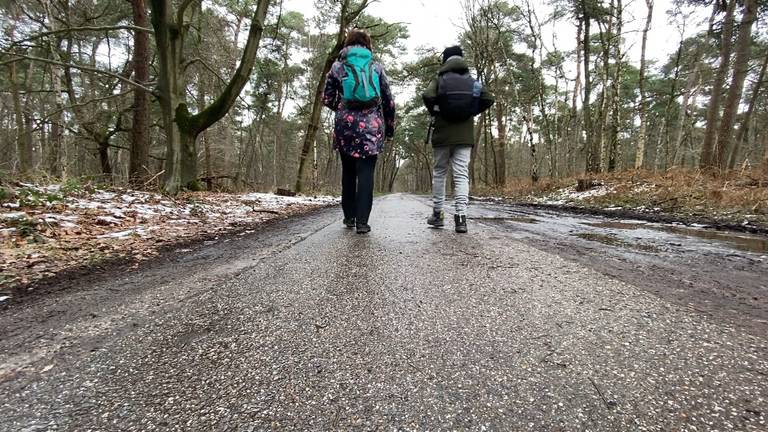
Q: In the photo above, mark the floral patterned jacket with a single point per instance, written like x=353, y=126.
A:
x=359, y=133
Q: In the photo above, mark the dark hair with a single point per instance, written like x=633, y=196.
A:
x=358, y=37
x=452, y=51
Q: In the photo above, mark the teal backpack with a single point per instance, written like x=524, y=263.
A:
x=361, y=82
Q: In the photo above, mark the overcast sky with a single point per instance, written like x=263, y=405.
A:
x=436, y=23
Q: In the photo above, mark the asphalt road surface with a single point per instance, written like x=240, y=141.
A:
x=533, y=321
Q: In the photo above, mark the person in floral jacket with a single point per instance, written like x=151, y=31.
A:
x=360, y=132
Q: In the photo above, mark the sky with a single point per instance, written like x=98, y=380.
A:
x=437, y=23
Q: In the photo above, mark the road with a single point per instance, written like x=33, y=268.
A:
x=534, y=321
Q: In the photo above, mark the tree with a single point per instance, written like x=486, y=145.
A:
x=643, y=107
x=140, y=140
x=592, y=152
x=740, y=69
x=747, y=119
x=713, y=110
x=181, y=126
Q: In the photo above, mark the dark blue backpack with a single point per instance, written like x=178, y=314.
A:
x=458, y=96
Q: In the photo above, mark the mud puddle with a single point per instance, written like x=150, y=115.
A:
x=614, y=240
x=720, y=274
x=518, y=219
x=738, y=241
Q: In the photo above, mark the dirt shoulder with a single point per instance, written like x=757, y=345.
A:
x=737, y=201
x=50, y=234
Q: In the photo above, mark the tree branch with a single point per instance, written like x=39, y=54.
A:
x=84, y=68
x=88, y=102
x=82, y=29
x=182, y=10
x=227, y=98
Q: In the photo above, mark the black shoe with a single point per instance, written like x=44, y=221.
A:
x=461, y=223
x=437, y=219
x=363, y=228
x=349, y=222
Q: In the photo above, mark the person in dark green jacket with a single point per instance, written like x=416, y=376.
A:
x=452, y=131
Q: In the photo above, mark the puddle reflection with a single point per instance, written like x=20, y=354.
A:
x=742, y=242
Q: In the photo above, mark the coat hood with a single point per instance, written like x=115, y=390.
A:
x=359, y=50
x=454, y=64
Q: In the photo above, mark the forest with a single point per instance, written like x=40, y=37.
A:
x=178, y=95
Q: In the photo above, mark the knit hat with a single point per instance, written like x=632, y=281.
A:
x=451, y=52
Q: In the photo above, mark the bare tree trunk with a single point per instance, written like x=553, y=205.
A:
x=478, y=134
x=740, y=69
x=668, y=107
x=534, y=165
x=23, y=151
x=501, y=145
x=138, y=166
x=765, y=151
x=640, y=156
x=745, y=123
x=603, y=111
x=536, y=36
x=278, y=139
x=593, y=153
x=57, y=122
x=713, y=110
x=201, y=87
x=574, y=123
x=181, y=127
x=614, y=150
x=682, y=117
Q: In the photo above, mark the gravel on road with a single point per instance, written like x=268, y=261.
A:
x=309, y=326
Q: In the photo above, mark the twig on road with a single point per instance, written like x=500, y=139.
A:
x=608, y=403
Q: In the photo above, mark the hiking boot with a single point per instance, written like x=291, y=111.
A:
x=349, y=222
x=461, y=223
x=363, y=228
x=437, y=219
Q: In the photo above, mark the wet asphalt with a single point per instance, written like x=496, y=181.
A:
x=306, y=325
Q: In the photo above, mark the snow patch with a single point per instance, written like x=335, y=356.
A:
x=271, y=201
x=569, y=195
x=7, y=231
x=139, y=231
x=13, y=217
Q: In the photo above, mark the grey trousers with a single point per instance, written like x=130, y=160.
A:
x=458, y=157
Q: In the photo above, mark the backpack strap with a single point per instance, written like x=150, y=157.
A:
x=370, y=78
x=350, y=68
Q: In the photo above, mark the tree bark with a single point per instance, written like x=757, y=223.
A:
x=534, y=172
x=740, y=69
x=23, y=152
x=574, y=117
x=670, y=100
x=593, y=154
x=713, y=110
x=138, y=166
x=640, y=156
x=602, y=127
x=614, y=149
x=745, y=122
x=182, y=127
x=682, y=117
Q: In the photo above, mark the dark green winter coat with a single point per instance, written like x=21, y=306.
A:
x=445, y=133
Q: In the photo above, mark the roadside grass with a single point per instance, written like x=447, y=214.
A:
x=735, y=194
x=50, y=228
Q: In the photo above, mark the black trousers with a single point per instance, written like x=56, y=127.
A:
x=357, y=186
